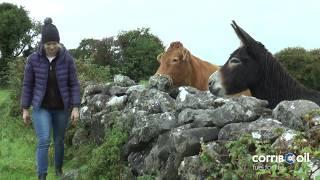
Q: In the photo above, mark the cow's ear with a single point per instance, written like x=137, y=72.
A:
x=245, y=38
x=159, y=56
x=186, y=55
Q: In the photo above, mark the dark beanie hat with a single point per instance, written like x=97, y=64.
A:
x=49, y=32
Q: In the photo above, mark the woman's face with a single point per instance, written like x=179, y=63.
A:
x=51, y=48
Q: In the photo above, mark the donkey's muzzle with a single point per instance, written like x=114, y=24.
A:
x=215, y=84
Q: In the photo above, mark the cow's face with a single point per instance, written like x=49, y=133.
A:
x=175, y=63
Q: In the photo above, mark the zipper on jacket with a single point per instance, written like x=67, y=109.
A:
x=64, y=103
x=45, y=87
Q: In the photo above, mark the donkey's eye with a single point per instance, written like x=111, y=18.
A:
x=235, y=60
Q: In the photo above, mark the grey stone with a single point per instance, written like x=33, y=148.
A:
x=80, y=137
x=153, y=101
x=136, y=162
x=191, y=168
x=261, y=129
x=285, y=141
x=148, y=127
x=118, y=91
x=85, y=115
x=117, y=102
x=291, y=113
x=313, y=135
x=161, y=82
x=123, y=81
x=192, y=98
x=98, y=102
x=71, y=175
x=173, y=146
x=93, y=89
x=314, y=166
x=138, y=88
x=228, y=113
x=166, y=128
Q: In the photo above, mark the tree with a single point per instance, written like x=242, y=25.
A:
x=17, y=36
x=30, y=41
x=86, y=49
x=138, y=50
x=132, y=53
x=105, y=53
x=14, y=27
x=302, y=64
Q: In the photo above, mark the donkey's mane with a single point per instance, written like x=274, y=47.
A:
x=277, y=84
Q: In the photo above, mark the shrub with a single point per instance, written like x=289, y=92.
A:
x=241, y=165
x=15, y=78
x=302, y=64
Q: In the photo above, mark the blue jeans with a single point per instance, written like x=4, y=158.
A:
x=43, y=121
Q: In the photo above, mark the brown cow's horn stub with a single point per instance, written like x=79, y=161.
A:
x=176, y=44
x=186, y=55
x=159, y=56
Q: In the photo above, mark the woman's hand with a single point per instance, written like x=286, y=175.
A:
x=74, y=116
x=26, y=116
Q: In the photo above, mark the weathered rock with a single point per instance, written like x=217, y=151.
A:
x=285, y=141
x=98, y=102
x=312, y=118
x=232, y=112
x=250, y=102
x=117, y=102
x=71, y=175
x=291, y=113
x=192, y=98
x=97, y=132
x=80, y=137
x=166, y=125
x=314, y=165
x=94, y=89
x=138, y=88
x=161, y=82
x=217, y=150
x=136, y=162
x=313, y=135
x=85, y=115
x=148, y=127
x=191, y=168
x=118, y=91
x=226, y=114
x=173, y=146
x=126, y=173
x=315, y=121
x=153, y=101
x=262, y=129
x=123, y=81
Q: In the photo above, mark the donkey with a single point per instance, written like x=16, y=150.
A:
x=253, y=67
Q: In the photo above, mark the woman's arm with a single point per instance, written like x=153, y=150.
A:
x=74, y=85
x=28, y=84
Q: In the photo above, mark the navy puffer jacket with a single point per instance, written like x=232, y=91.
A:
x=36, y=77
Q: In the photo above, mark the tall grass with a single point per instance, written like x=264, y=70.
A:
x=17, y=145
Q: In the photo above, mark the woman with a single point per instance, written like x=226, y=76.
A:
x=51, y=86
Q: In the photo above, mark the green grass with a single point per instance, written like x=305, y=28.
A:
x=144, y=82
x=4, y=95
x=17, y=146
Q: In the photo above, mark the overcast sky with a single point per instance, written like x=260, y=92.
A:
x=203, y=26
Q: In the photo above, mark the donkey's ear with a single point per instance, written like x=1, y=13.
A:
x=245, y=38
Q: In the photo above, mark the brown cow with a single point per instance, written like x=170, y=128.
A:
x=184, y=69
